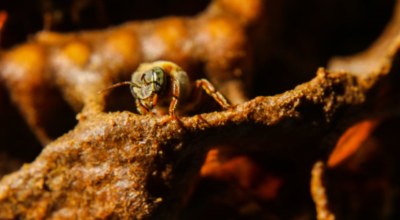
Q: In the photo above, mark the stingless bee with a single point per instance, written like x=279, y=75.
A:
x=163, y=82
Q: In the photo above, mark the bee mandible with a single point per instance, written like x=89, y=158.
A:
x=163, y=82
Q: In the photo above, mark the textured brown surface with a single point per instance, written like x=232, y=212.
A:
x=318, y=192
x=110, y=164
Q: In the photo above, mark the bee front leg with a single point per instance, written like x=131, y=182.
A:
x=175, y=98
x=140, y=108
x=210, y=90
x=174, y=102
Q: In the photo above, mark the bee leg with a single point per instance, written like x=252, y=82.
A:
x=210, y=90
x=175, y=97
x=172, y=115
x=140, y=108
x=174, y=102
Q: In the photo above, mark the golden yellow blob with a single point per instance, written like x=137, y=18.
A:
x=248, y=10
x=172, y=31
x=77, y=52
x=221, y=29
x=27, y=56
x=50, y=38
x=123, y=42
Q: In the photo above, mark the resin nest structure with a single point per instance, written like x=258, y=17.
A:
x=127, y=164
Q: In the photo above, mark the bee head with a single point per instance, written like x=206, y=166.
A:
x=148, y=85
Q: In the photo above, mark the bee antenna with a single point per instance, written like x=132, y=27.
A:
x=115, y=86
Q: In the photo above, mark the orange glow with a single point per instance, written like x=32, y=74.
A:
x=77, y=52
x=3, y=18
x=351, y=140
x=28, y=56
x=239, y=169
x=243, y=171
x=269, y=187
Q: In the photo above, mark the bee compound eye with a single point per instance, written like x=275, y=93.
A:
x=158, y=75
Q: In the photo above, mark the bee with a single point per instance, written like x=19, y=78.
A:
x=159, y=83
